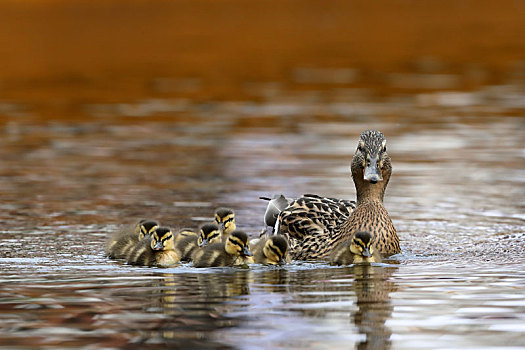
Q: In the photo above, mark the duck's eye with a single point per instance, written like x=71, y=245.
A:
x=384, y=149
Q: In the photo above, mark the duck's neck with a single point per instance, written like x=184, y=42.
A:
x=368, y=192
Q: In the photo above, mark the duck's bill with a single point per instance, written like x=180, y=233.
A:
x=372, y=171
x=158, y=246
x=366, y=253
x=204, y=243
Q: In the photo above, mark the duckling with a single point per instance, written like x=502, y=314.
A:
x=359, y=249
x=185, y=232
x=233, y=252
x=156, y=250
x=315, y=225
x=225, y=218
x=124, y=241
x=271, y=250
x=188, y=245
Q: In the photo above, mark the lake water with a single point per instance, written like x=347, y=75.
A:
x=75, y=167
x=456, y=198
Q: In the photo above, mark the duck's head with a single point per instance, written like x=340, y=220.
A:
x=162, y=239
x=145, y=228
x=237, y=244
x=362, y=244
x=275, y=250
x=371, y=163
x=225, y=218
x=208, y=234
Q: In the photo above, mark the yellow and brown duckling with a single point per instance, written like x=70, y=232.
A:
x=358, y=249
x=312, y=236
x=156, y=250
x=225, y=218
x=122, y=243
x=188, y=245
x=271, y=250
x=185, y=232
x=234, y=251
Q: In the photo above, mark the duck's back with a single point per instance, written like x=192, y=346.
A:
x=307, y=213
x=312, y=223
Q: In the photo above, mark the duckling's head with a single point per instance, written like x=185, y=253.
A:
x=208, y=234
x=225, y=218
x=187, y=232
x=162, y=239
x=237, y=244
x=275, y=249
x=146, y=227
x=362, y=244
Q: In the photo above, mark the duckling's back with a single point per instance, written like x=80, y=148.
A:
x=341, y=255
x=186, y=246
x=142, y=254
x=212, y=256
x=121, y=244
x=257, y=250
x=185, y=233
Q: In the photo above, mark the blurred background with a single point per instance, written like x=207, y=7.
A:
x=76, y=59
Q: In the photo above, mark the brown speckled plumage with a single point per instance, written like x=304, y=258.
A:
x=370, y=214
x=310, y=221
x=314, y=229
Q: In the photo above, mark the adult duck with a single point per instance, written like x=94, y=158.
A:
x=314, y=225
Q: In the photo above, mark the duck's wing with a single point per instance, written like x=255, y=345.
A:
x=311, y=214
x=311, y=223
